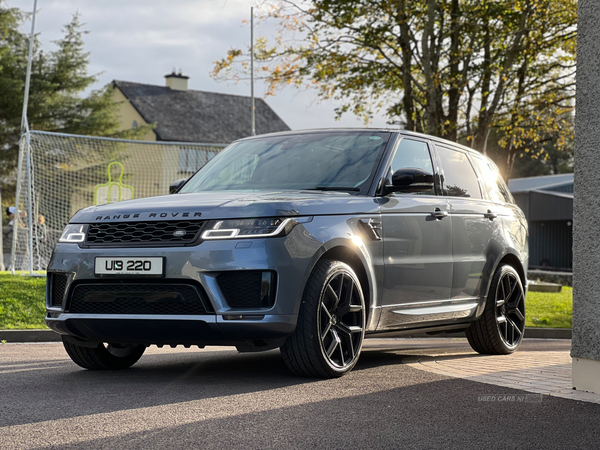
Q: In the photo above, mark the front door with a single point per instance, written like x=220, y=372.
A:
x=417, y=246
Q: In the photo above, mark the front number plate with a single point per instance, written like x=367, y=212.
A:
x=129, y=266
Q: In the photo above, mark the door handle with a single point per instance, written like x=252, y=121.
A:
x=439, y=214
x=490, y=215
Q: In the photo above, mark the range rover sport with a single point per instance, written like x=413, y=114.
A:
x=305, y=241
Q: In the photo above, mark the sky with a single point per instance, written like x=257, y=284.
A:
x=143, y=40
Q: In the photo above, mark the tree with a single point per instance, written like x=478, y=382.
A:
x=451, y=68
x=58, y=79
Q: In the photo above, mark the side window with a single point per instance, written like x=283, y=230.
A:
x=459, y=177
x=508, y=198
x=415, y=154
x=492, y=181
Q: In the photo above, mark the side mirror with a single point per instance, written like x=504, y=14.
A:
x=176, y=185
x=410, y=179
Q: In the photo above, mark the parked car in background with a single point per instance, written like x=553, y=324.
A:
x=304, y=240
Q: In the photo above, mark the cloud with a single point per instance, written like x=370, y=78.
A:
x=141, y=41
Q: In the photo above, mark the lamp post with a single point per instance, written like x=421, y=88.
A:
x=253, y=120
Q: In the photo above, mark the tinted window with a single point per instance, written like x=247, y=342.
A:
x=414, y=154
x=459, y=177
x=492, y=181
x=335, y=160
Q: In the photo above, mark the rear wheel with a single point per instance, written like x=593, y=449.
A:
x=104, y=356
x=500, y=329
x=331, y=323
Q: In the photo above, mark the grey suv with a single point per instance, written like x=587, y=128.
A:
x=306, y=241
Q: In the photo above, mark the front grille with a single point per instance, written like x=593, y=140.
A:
x=135, y=298
x=248, y=288
x=58, y=284
x=133, y=234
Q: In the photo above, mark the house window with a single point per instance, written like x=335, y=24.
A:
x=192, y=159
x=134, y=124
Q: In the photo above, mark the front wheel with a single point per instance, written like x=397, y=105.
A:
x=104, y=357
x=500, y=329
x=331, y=323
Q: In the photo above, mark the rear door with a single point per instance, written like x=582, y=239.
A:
x=476, y=226
x=514, y=224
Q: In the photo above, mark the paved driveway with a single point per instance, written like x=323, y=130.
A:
x=217, y=398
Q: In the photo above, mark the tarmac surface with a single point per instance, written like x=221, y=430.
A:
x=404, y=393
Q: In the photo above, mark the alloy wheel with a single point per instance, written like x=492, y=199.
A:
x=510, y=309
x=341, y=320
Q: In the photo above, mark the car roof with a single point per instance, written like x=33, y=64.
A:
x=382, y=130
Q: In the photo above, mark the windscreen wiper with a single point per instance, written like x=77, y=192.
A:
x=332, y=188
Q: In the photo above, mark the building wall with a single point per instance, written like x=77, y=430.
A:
x=586, y=245
x=551, y=244
x=550, y=221
x=128, y=114
x=564, y=188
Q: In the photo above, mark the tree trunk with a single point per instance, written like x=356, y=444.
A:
x=454, y=93
x=510, y=162
x=487, y=111
x=427, y=41
x=408, y=99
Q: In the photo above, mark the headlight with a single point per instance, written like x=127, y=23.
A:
x=73, y=233
x=251, y=228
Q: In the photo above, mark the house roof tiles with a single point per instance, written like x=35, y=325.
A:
x=198, y=116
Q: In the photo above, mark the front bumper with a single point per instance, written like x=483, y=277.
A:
x=197, y=330
x=290, y=257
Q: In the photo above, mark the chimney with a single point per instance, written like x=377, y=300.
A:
x=177, y=81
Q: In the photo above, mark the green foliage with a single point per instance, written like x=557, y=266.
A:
x=451, y=68
x=549, y=310
x=548, y=156
x=22, y=302
x=58, y=79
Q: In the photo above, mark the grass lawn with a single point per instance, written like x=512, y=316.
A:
x=22, y=301
x=549, y=310
x=22, y=304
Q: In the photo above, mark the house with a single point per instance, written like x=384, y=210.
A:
x=547, y=202
x=184, y=115
x=190, y=127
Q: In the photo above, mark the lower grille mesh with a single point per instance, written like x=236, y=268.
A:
x=58, y=284
x=247, y=288
x=131, y=298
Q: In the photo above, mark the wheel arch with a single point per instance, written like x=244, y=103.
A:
x=350, y=257
x=355, y=260
x=512, y=260
x=508, y=258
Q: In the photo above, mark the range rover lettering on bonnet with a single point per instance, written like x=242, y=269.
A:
x=161, y=215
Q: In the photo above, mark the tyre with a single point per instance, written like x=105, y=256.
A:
x=104, y=357
x=331, y=323
x=500, y=329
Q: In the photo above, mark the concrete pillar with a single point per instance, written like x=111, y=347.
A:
x=585, y=349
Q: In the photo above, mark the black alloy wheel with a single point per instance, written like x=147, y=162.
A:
x=500, y=329
x=331, y=323
x=341, y=317
x=510, y=309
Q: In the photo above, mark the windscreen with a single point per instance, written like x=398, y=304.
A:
x=323, y=160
